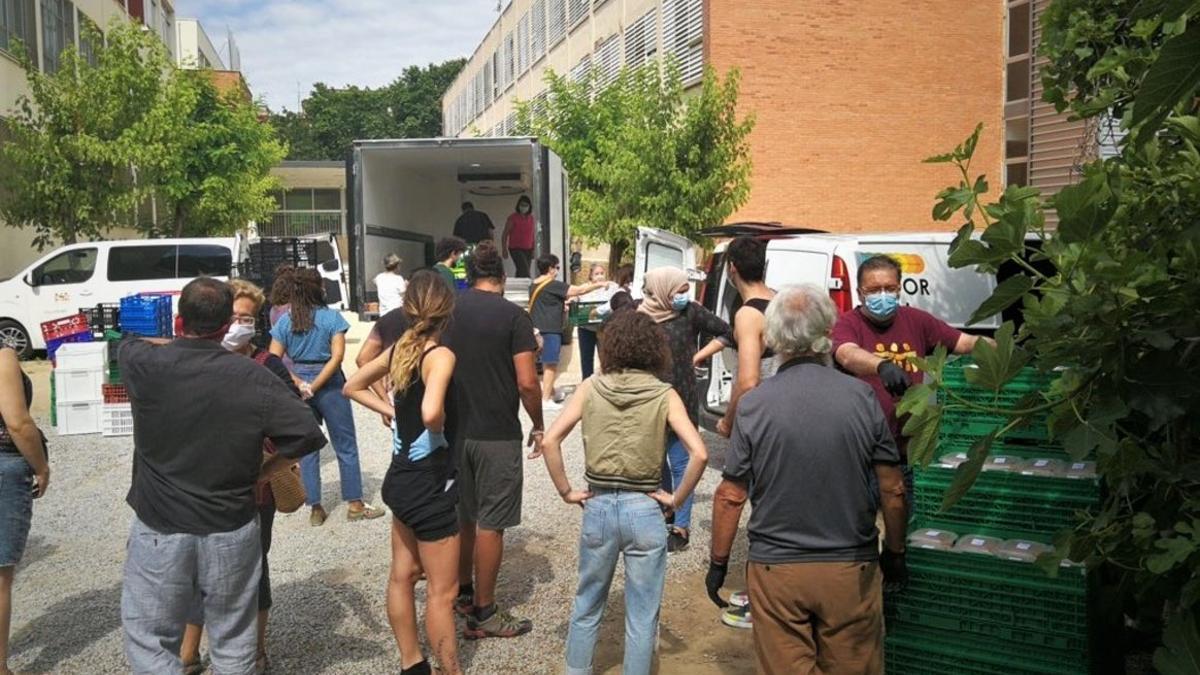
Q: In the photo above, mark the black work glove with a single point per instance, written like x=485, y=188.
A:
x=895, y=380
x=895, y=570
x=715, y=580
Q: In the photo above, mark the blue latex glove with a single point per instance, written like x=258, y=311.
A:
x=425, y=444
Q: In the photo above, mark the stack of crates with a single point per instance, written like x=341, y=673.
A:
x=267, y=254
x=114, y=371
x=103, y=317
x=58, y=332
x=976, y=603
x=147, y=315
x=78, y=376
x=116, y=417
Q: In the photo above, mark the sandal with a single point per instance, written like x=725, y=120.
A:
x=367, y=512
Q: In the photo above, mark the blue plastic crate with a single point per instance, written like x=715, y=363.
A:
x=53, y=345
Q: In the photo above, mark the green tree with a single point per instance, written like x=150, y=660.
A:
x=332, y=119
x=1110, y=304
x=68, y=166
x=214, y=174
x=641, y=152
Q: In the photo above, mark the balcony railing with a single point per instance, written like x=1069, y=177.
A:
x=300, y=223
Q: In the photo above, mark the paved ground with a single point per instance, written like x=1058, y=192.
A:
x=329, y=582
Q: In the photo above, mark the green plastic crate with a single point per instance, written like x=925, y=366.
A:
x=53, y=402
x=1002, y=625
x=580, y=313
x=913, y=650
x=1034, y=504
x=973, y=424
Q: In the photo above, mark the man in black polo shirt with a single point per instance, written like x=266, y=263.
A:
x=200, y=414
x=473, y=226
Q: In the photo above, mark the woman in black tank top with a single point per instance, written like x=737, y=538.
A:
x=420, y=486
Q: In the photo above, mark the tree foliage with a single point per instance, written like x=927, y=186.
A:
x=101, y=136
x=641, y=152
x=1110, y=303
x=332, y=119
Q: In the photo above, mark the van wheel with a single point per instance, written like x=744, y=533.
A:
x=14, y=335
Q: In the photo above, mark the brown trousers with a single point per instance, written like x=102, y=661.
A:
x=817, y=618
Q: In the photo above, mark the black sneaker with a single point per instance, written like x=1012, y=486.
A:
x=677, y=541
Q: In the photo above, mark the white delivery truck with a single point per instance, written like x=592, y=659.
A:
x=799, y=255
x=406, y=194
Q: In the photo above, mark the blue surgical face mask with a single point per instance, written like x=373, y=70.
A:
x=680, y=301
x=882, y=305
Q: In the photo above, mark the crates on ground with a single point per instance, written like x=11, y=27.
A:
x=1011, y=501
x=78, y=418
x=78, y=385
x=82, y=356
x=147, y=315
x=116, y=419
x=53, y=345
x=114, y=393
x=923, y=651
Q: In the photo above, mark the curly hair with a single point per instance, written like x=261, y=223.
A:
x=485, y=263
x=632, y=341
x=306, y=297
x=281, y=288
x=428, y=303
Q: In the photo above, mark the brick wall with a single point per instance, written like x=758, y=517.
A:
x=851, y=95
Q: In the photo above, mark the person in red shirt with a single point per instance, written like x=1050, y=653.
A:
x=875, y=340
x=517, y=238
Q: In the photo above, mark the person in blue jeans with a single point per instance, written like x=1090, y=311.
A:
x=314, y=338
x=626, y=412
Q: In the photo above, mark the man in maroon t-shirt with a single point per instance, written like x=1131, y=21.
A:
x=875, y=340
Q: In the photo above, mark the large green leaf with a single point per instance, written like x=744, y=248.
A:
x=922, y=431
x=1084, y=209
x=1172, y=78
x=997, y=365
x=968, y=471
x=1008, y=292
x=1180, y=653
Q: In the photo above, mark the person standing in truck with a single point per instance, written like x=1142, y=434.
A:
x=390, y=284
x=517, y=239
x=447, y=253
x=473, y=226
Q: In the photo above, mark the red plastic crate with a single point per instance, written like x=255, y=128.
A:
x=115, y=393
x=68, y=325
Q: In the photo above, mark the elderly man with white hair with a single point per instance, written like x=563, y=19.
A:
x=805, y=444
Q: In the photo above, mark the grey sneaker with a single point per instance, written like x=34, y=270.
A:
x=501, y=624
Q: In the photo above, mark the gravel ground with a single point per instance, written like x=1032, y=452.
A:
x=329, y=614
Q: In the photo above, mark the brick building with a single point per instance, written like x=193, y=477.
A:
x=849, y=96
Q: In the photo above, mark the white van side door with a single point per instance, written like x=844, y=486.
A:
x=659, y=248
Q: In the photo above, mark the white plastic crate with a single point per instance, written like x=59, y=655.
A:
x=116, y=419
x=78, y=385
x=78, y=418
x=82, y=356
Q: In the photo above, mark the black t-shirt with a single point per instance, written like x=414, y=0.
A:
x=391, y=326
x=473, y=226
x=200, y=414
x=547, y=311
x=486, y=331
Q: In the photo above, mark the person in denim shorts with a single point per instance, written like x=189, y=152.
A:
x=24, y=476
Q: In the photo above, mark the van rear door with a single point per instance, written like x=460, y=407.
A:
x=659, y=248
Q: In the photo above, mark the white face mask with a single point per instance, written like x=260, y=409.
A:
x=237, y=337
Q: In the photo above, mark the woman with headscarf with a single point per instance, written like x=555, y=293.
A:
x=665, y=299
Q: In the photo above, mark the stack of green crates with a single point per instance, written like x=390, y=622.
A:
x=53, y=402
x=983, y=615
x=114, y=371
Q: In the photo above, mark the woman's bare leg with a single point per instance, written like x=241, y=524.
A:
x=440, y=560
x=401, y=607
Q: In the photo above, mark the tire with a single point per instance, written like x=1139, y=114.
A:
x=13, y=334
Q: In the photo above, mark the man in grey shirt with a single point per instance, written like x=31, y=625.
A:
x=805, y=445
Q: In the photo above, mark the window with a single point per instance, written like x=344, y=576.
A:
x=497, y=78
x=683, y=37
x=659, y=255
x=88, y=32
x=580, y=71
x=1016, y=173
x=298, y=200
x=608, y=60
x=204, y=259
x=1019, y=28
x=641, y=39
x=489, y=87
x=509, y=61
x=327, y=200
x=1016, y=138
x=557, y=21
x=1017, y=87
x=58, y=31
x=578, y=11
x=306, y=211
x=523, y=45
x=17, y=23
x=138, y=263
x=537, y=39
x=69, y=267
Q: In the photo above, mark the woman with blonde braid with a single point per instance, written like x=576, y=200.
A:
x=420, y=486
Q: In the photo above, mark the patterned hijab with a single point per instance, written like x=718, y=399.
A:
x=660, y=284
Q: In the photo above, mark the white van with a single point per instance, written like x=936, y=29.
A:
x=798, y=256
x=86, y=274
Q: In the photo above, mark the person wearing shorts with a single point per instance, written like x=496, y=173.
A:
x=547, y=301
x=494, y=344
x=420, y=486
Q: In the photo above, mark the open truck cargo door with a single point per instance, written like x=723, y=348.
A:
x=659, y=248
x=405, y=195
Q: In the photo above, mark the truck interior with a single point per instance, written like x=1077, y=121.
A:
x=410, y=199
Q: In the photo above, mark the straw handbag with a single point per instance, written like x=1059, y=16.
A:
x=287, y=488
